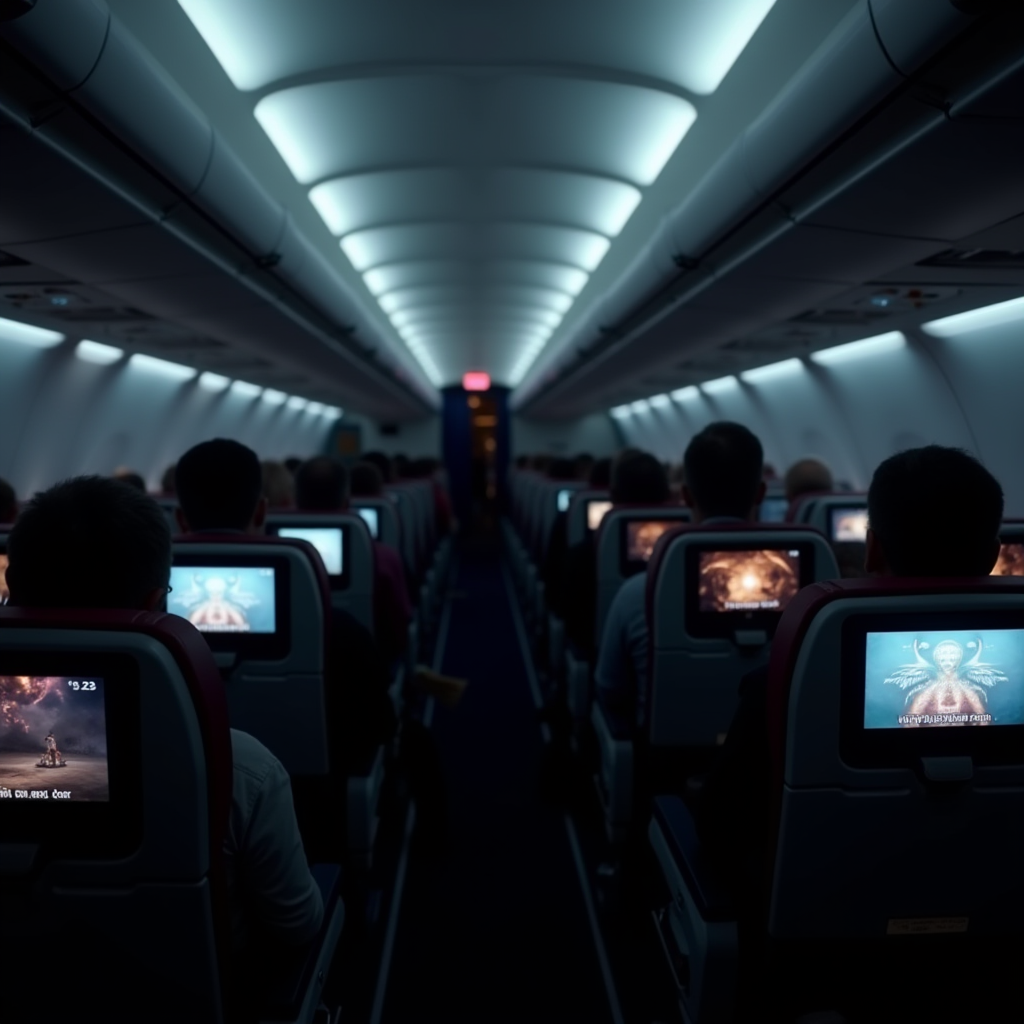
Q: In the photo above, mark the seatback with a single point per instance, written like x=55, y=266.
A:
x=112, y=887
x=775, y=505
x=924, y=825
x=580, y=513
x=1011, y=550
x=556, y=499
x=698, y=654
x=381, y=518
x=275, y=671
x=415, y=523
x=624, y=544
x=407, y=526
x=344, y=543
x=840, y=517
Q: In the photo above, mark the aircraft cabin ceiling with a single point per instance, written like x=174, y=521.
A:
x=491, y=186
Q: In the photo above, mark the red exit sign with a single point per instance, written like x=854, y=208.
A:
x=476, y=381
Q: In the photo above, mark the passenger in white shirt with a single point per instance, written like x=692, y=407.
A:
x=92, y=542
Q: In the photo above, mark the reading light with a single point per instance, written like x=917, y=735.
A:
x=874, y=346
x=720, y=385
x=213, y=381
x=245, y=389
x=272, y=397
x=640, y=405
x=978, y=319
x=95, y=352
x=660, y=402
x=621, y=412
x=476, y=380
x=685, y=394
x=295, y=402
x=162, y=366
x=26, y=334
x=773, y=371
x=315, y=408
x=331, y=412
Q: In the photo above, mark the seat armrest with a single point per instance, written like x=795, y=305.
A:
x=713, y=899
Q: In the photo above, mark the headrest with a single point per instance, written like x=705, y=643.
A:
x=810, y=602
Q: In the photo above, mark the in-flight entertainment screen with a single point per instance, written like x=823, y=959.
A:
x=849, y=525
x=642, y=535
x=748, y=581
x=1009, y=563
x=773, y=510
x=370, y=517
x=564, y=497
x=327, y=541
x=53, y=740
x=224, y=599
x=4, y=593
x=596, y=512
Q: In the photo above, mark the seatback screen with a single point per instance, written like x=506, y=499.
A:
x=564, y=497
x=943, y=678
x=596, y=511
x=1009, y=563
x=326, y=540
x=760, y=580
x=370, y=516
x=4, y=592
x=773, y=510
x=224, y=599
x=849, y=525
x=642, y=535
x=53, y=740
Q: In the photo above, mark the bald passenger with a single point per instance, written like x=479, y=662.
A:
x=807, y=476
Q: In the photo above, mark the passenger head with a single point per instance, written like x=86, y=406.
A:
x=807, y=476
x=561, y=469
x=382, y=462
x=722, y=469
x=638, y=478
x=131, y=478
x=600, y=474
x=220, y=487
x=583, y=464
x=321, y=485
x=167, y=484
x=933, y=511
x=8, y=503
x=89, y=542
x=292, y=464
x=365, y=481
x=278, y=484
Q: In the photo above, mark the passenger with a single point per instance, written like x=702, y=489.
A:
x=722, y=467
x=428, y=469
x=292, y=464
x=127, y=563
x=131, y=478
x=365, y=481
x=807, y=476
x=637, y=479
x=322, y=486
x=219, y=484
x=167, y=481
x=933, y=512
x=600, y=477
x=278, y=485
x=383, y=464
x=584, y=463
x=8, y=502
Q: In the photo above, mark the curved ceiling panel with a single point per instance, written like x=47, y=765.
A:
x=564, y=278
x=370, y=248
x=410, y=274
x=582, y=249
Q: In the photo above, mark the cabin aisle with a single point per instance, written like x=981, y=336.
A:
x=492, y=925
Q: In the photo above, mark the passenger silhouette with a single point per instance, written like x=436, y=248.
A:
x=807, y=476
x=92, y=542
x=8, y=503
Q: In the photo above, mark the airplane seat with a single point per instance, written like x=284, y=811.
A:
x=1011, y=549
x=896, y=845
x=127, y=876
x=700, y=648
x=799, y=508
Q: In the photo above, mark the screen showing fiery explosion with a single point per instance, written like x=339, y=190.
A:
x=743, y=581
x=641, y=538
x=1010, y=561
x=4, y=593
x=849, y=525
x=326, y=540
x=596, y=511
x=232, y=599
x=949, y=678
x=53, y=739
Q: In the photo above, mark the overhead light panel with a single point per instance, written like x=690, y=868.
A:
x=27, y=334
x=272, y=397
x=773, y=371
x=1010, y=312
x=685, y=394
x=315, y=408
x=720, y=385
x=640, y=405
x=711, y=38
x=295, y=402
x=244, y=389
x=660, y=402
x=213, y=381
x=866, y=347
x=97, y=352
x=331, y=412
x=175, y=371
x=621, y=412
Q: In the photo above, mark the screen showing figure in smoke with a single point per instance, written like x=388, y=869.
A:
x=229, y=600
x=53, y=739
x=943, y=679
x=641, y=538
x=1010, y=561
x=765, y=580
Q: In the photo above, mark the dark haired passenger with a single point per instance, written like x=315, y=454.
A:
x=278, y=485
x=127, y=562
x=8, y=503
x=292, y=464
x=365, y=481
x=382, y=462
x=807, y=476
x=131, y=478
x=322, y=485
x=723, y=472
x=932, y=511
x=219, y=491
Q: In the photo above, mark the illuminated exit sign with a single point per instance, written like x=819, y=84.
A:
x=476, y=381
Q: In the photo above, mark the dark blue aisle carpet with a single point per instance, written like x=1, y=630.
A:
x=493, y=927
